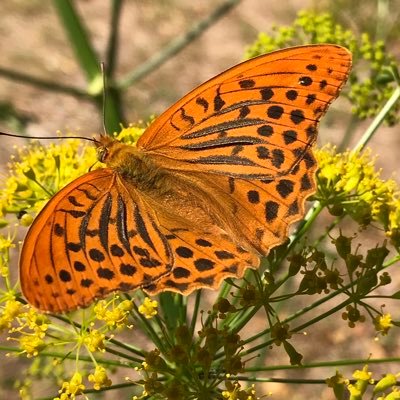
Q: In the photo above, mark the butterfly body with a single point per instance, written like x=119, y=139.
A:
x=210, y=187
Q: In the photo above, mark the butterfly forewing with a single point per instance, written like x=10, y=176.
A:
x=255, y=120
x=94, y=237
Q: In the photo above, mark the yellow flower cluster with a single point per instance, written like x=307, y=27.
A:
x=349, y=182
x=100, y=378
x=10, y=311
x=31, y=326
x=386, y=386
x=95, y=340
x=115, y=316
x=69, y=390
x=235, y=392
x=39, y=171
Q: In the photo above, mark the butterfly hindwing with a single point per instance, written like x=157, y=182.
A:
x=93, y=237
x=264, y=209
x=201, y=260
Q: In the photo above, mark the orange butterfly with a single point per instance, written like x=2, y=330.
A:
x=211, y=186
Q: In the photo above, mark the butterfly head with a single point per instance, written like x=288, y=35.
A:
x=106, y=147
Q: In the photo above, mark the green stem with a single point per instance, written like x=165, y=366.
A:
x=72, y=356
x=115, y=342
x=112, y=45
x=348, y=135
x=176, y=45
x=298, y=328
x=378, y=120
x=21, y=77
x=87, y=59
x=106, y=389
x=78, y=38
x=324, y=364
x=195, y=311
x=113, y=94
x=148, y=328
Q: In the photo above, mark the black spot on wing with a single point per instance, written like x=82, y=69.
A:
x=224, y=141
x=204, y=264
x=180, y=272
x=223, y=126
x=305, y=81
x=222, y=159
x=58, y=230
x=253, y=196
x=275, y=112
x=291, y=95
x=218, y=103
x=186, y=117
x=265, y=130
x=74, y=201
x=271, y=210
x=285, y=187
x=247, y=83
x=121, y=222
x=297, y=116
x=104, y=221
x=184, y=252
x=266, y=94
x=142, y=229
x=201, y=101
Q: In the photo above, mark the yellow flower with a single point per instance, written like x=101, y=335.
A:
x=117, y=317
x=12, y=310
x=148, y=308
x=130, y=134
x=383, y=323
x=6, y=243
x=69, y=390
x=100, y=378
x=95, y=341
x=31, y=345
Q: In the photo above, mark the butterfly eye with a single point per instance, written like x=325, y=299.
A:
x=102, y=153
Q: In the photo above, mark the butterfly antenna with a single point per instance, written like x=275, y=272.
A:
x=93, y=140
x=103, y=73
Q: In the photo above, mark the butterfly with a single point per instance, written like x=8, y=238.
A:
x=210, y=187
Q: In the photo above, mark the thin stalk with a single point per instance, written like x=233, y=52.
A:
x=300, y=327
x=40, y=83
x=378, y=120
x=176, y=45
x=88, y=61
x=72, y=356
x=115, y=342
x=113, y=94
x=171, y=304
x=350, y=129
x=195, y=314
x=148, y=328
x=106, y=389
x=112, y=44
x=122, y=355
x=324, y=364
x=78, y=39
